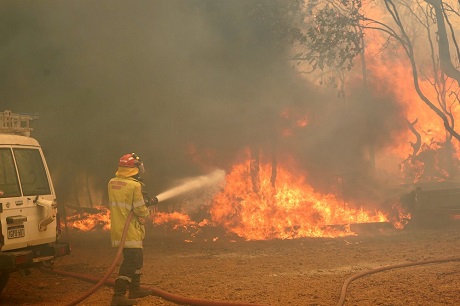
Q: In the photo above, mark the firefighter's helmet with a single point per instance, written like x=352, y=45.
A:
x=131, y=160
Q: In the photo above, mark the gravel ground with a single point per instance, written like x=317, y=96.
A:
x=308, y=271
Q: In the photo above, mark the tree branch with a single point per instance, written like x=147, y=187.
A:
x=444, y=52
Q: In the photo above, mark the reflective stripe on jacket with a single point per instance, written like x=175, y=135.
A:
x=125, y=194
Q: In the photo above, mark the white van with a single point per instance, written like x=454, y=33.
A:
x=29, y=222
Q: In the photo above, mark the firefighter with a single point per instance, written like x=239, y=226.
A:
x=126, y=195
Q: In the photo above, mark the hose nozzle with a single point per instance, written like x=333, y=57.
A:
x=148, y=200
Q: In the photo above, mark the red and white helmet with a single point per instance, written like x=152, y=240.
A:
x=130, y=160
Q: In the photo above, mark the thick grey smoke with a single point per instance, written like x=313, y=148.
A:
x=155, y=77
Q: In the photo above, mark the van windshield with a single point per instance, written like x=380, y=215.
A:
x=9, y=185
x=32, y=174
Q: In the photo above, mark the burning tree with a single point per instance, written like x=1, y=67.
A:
x=339, y=31
x=442, y=71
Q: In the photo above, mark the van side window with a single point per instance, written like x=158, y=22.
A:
x=9, y=185
x=32, y=174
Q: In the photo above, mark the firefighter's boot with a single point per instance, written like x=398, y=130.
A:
x=119, y=294
x=135, y=290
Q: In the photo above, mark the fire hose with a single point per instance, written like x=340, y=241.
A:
x=198, y=183
x=385, y=268
x=201, y=302
x=158, y=292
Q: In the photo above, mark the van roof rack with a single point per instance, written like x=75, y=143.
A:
x=15, y=123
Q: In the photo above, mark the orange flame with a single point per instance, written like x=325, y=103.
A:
x=175, y=220
x=390, y=75
x=290, y=210
x=87, y=221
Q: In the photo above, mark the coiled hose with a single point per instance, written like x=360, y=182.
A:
x=105, y=280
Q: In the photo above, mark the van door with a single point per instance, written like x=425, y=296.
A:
x=9, y=184
x=9, y=191
x=23, y=180
x=32, y=174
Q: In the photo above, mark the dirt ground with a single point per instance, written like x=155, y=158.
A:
x=282, y=272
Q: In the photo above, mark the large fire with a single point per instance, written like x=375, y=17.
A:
x=289, y=209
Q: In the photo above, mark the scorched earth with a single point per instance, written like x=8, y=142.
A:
x=307, y=271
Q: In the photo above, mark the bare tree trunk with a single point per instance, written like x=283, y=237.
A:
x=254, y=168
x=274, y=164
x=418, y=143
x=404, y=39
x=444, y=52
x=88, y=190
x=75, y=191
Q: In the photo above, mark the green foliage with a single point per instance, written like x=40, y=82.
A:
x=333, y=37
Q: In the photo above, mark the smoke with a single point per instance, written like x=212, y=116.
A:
x=157, y=77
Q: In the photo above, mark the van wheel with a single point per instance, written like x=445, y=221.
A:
x=3, y=281
x=48, y=264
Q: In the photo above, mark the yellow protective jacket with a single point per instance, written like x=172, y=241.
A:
x=125, y=194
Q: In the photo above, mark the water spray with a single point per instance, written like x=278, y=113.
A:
x=190, y=184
